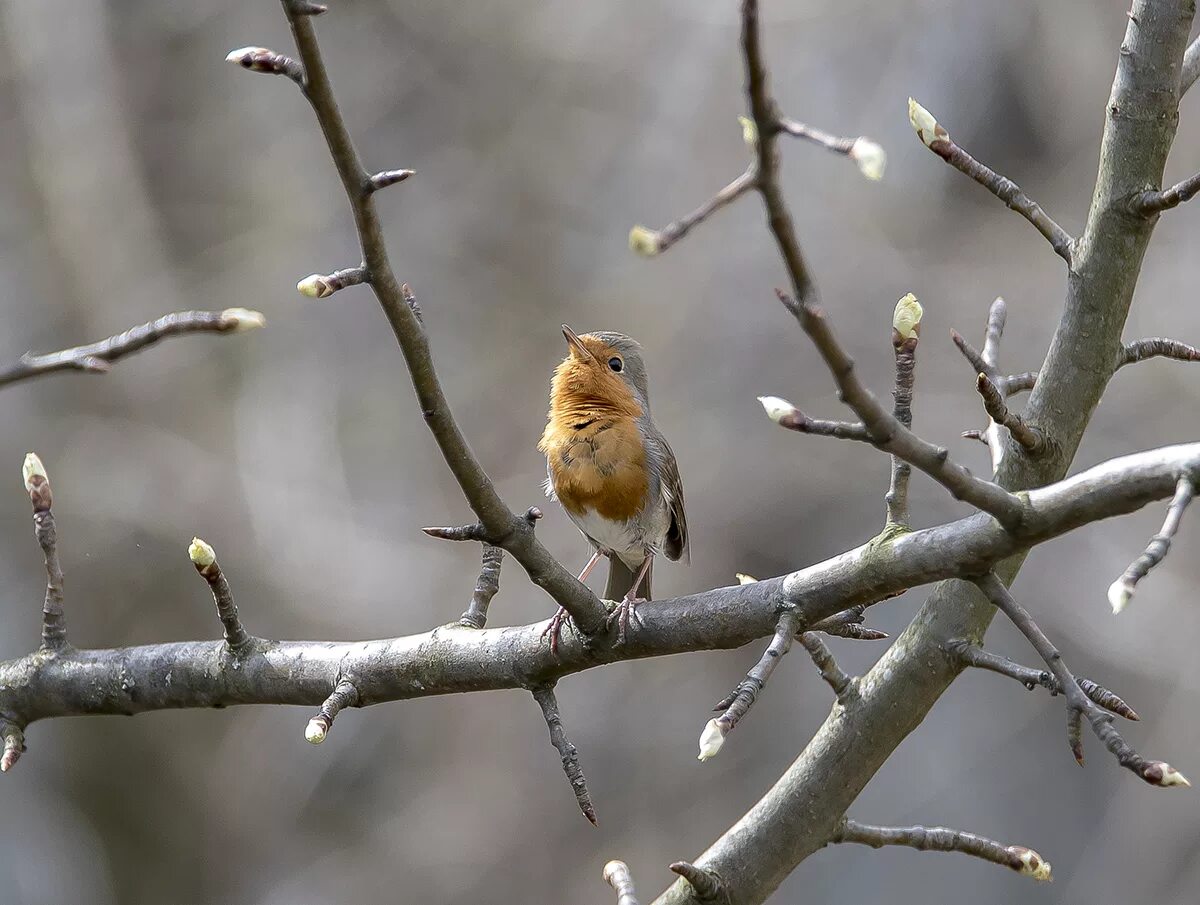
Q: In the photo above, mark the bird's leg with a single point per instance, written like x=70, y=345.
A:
x=627, y=608
x=554, y=629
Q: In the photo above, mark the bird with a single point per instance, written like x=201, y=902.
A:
x=611, y=468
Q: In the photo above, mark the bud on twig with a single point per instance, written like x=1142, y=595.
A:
x=201, y=553
x=1032, y=864
x=1120, y=592
x=906, y=320
x=645, y=242
x=870, y=157
x=711, y=740
x=263, y=59
x=749, y=132
x=37, y=483
x=239, y=320
x=927, y=128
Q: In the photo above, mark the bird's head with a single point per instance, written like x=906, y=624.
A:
x=603, y=370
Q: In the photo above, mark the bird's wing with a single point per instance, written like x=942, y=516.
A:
x=662, y=460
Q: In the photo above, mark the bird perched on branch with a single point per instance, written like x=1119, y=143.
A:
x=611, y=468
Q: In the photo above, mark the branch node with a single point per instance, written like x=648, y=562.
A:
x=345, y=694
x=544, y=695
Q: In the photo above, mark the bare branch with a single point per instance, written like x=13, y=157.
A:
x=906, y=333
x=343, y=696
x=970, y=353
x=1122, y=590
x=939, y=142
x=1032, y=440
x=617, y=875
x=54, y=620
x=1017, y=383
x=97, y=357
x=943, y=839
x=204, y=558
x=1148, y=204
x=848, y=624
x=485, y=588
x=650, y=242
x=889, y=435
x=974, y=656
x=738, y=704
x=1156, y=347
x=1157, y=773
x=502, y=527
x=993, y=333
x=869, y=156
x=706, y=885
x=1190, y=70
x=835, y=678
x=544, y=695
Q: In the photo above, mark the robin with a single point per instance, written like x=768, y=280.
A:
x=611, y=468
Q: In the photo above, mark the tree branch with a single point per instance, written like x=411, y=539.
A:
x=651, y=242
x=906, y=333
x=617, y=875
x=486, y=588
x=1156, y=347
x=1029, y=438
x=1147, y=204
x=97, y=357
x=502, y=527
x=54, y=620
x=204, y=558
x=939, y=142
x=943, y=839
x=1190, y=70
x=835, y=678
x=1121, y=591
x=544, y=695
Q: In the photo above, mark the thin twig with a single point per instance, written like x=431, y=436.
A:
x=939, y=142
x=1156, y=347
x=835, y=678
x=848, y=624
x=1157, y=773
x=974, y=656
x=97, y=357
x=502, y=526
x=970, y=353
x=1030, y=438
x=204, y=558
x=888, y=435
x=706, y=885
x=1147, y=204
x=54, y=620
x=943, y=839
x=651, y=242
x=485, y=588
x=343, y=696
x=820, y=137
x=1122, y=590
x=788, y=416
x=993, y=333
x=739, y=702
x=906, y=362
x=617, y=875
x=544, y=695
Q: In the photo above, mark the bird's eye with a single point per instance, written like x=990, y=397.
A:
x=615, y=364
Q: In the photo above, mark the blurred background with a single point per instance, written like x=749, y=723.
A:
x=142, y=174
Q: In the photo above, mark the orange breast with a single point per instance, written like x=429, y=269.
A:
x=599, y=465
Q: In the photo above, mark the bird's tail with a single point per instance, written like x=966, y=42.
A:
x=620, y=580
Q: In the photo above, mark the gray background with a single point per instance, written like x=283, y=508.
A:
x=142, y=174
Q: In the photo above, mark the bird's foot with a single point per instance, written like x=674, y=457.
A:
x=555, y=627
x=623, y=614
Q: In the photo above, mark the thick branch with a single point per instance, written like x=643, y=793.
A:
x=890, y=435
x=943, y=839
x=939, y=142
x=97, y=357
x=452, y=659
x=504, y=528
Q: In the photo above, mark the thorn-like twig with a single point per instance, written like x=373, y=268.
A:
x=263, y=59
x=323, y=285
x=463, y=532
x=204, y=558
x=384, y=178
x=848, y=624
x=617, y=875
x=974, y=656
x=1148, y=204
x=1156, y=347
x=939, y=142
x=889, y=435
x=37, y=484
x=739, y=702
x=650, y=242
x=485, y=588
x=1157, y=773
x=344, y=695
x=1121, y=591
x=96, y=357
x=970, y=353
x=1030, y=438
x=822, y=656
x=906, y=333
x=544, y=695
x=706, y=885
x=943, y=839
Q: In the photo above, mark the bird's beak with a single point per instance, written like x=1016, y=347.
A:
x=578, y=349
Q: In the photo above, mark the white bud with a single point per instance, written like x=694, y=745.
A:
x=1120, y=592
x=749, y=131
x=1032, y=864
x=243, y=55
x=926, y=127
x=315, y=731
x=200, y=553
x=1171, y=776
x=314, y=286
x=711, y=740
x=870, y=157
x=907, y=316
x=643, y=241
x=243, y=319
x=743, y=578
x=777, y=409
x=32, y=467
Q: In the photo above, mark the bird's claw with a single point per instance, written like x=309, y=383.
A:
x=554, y=628
x=624, y=613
